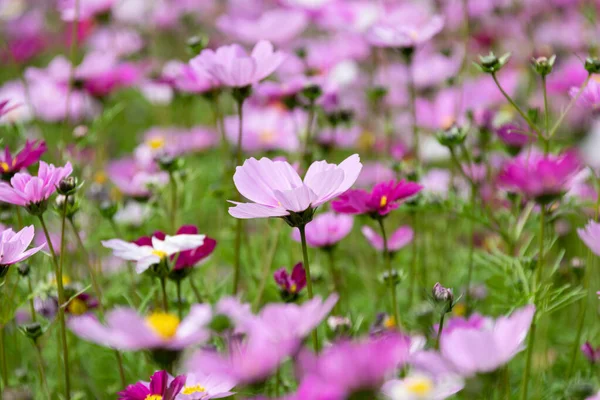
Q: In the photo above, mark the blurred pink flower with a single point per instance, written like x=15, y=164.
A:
x=135, y=177
x=29, y=155
x=278, y=26
x=126, y=330
x=102, y=73
x=590, y=97
x=233, y=67
x=407, y=26
x=590, y=235
x=25, y=190
x=397, y=240
x=326, y=229
x=275, y=188
x=13, y=246
x=189, y=78
x=161, y=386
x=83, y=9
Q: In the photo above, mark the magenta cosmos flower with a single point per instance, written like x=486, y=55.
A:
x=397, y=240
x=326, y=230
x=591, y=236
x=26, y=190
x=187, y=258
x=276, y=190
x=384, y=197
x=161, y=387
x=126, y=330
x=233, y=67
x=30, y=154
x=291, y=284
x=591, y=353
x=359, y=366
x=13, y=247
x=538, y=176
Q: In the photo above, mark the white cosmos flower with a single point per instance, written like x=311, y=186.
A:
x=145, y=256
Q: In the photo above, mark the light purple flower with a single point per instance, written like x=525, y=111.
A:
x=83, y=9
x=590, y=97
x=472, y=350
x=278, y=26
x=398, y=239
x=25, y=189
x=190, y=78
x=275, y=188
x=404, y=29
x=591, y=236
x=13, y=246
x=326, y=229
x=233, y=67
x=126, y=330
x=199, y=386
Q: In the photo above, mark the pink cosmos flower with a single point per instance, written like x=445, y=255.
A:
x=276, y=190
x=339, y=137
x=233, y=67
x=126, y=330
x=155, y=250
x=25, y=190
x=102, y=73
x=135, y=177
x=199, y=386
x=188, y=258
x=479, y=350
x=590, y=97
x=515, y=136
x=278, y=26
x=374, y=173
x=161, y=386
x=398, y=239
x=30, y=154
x=176, y=141
x=13, y=246
x=384, y=197
x=591, y=353
x=87, y=9
x=6, y=107
x=398, y=30
x=420, y=386
x=267, y=129
x=539, y=176
x=591, y=236
x=326, y=230
x=291, y=284
x=357, y=366
x=189, y=78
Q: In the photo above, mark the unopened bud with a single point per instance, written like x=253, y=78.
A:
x=33, y=330
x=492, y=64
x=442, y=294
x=312, y=93
x=451, y=137
x=196, y=44
x=68, y=186
x=23, y=269
x=543, y=65
x=592, y=65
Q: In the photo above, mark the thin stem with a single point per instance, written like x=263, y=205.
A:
x=239, y=222
x=307, y=140
x=388, y=266
x=412, y=279
x=546, y=117
x=471, y=250
x=412, y=100
x=163, y=286
x=309, y=286
x=536, y=282
x=440, y=329
x=173, y=185
x=195, y=290
x=31, y=305
x=335, y=275
x=571, y=104
x=61, y=293
x=179, y=300
x=40, y=360
x=515, y=106
x=72, y=55
x=3, y=356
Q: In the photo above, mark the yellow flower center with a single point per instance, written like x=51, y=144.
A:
x=293, y=288
x=596, y=78
x=100, y=177
x=65, y=280
x=383, y=201
x=156, y=143
x=193, y=389
x=164, y=324
x=419, y=386
x=77, y=307
x=266, y=136
x=159, y=253
x=4, y=166
x=389, y=323
x=153, y=397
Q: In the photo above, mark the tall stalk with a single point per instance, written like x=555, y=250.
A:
x=61, y=293
x=309, y=287
x=388, y=266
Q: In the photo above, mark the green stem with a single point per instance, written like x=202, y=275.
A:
x=173, y=185
x=40, y=360
x=195, y=289
x=179, y=300
x=471, y=250
x=546, y=117
x=31, y=305
x=412, y=100
x=163, y=287
x=3, y=356
x=309, y=286
x=266, y=269
x=515, y=106
x=571, y=104
x=387, y=256
x=335, y=275
x=412, y=278
x=440, y=329
x=535, y=288
x=61, y=293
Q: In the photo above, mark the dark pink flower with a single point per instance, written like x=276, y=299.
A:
x=591, y=353
x=161, y=386
x=30, y=154
x=514, y=136
x=539, y=176
x=291, y=284
x=384, y=197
